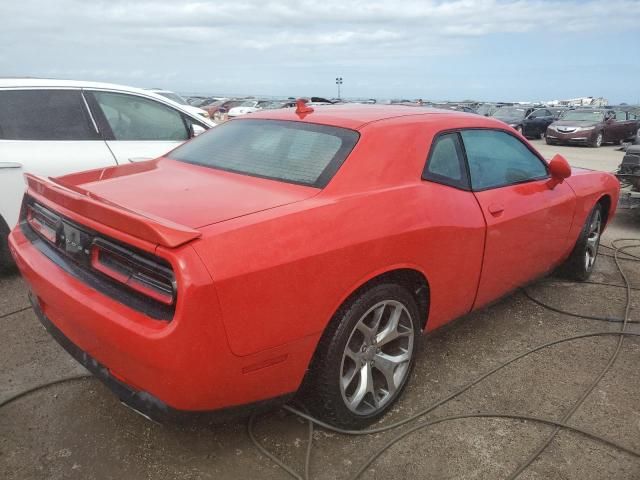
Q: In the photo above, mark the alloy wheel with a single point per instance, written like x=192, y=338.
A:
x=377, y=357
x=599, y=140
x=593, y=240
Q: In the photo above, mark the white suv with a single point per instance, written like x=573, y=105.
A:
x=55, y=127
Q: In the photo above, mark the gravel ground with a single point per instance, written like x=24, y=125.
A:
x=79, y=430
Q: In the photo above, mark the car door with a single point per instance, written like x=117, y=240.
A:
x=545, y=120
x=527, y=221
x=625, y=126
x=139, y=128
x=455, y=246
x=48, y=132
x=611, y=128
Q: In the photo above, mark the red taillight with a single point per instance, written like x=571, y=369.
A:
x=140, y=274
x=38, y=220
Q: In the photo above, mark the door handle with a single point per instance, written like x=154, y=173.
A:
x=496, y=209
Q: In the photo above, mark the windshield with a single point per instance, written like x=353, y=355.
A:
x=173, y=96
x=583, y=115
x=509, y=112
x=248, y=103
x=289, y=151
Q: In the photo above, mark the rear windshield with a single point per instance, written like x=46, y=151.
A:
x=289, y=151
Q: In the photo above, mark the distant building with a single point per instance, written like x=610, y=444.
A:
x=580, y=102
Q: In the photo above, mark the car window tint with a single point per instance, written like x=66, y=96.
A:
x=135, y=118
x=44, y=115
x=289, y=151
x=497, y=159
x=445, y=163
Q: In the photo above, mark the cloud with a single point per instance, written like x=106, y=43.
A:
x=213, y=42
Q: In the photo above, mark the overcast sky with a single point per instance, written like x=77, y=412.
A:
x=486, y=49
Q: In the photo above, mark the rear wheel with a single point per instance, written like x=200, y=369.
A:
x=582, y=260
x=364, y=358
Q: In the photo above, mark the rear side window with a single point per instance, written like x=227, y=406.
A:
x=135, y=118
x=44, y=115
x=289, y=151
x=446, y=162
x=497, y=159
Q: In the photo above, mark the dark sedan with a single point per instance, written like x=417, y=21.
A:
x=592, y=127
x=513, y=116
x=535, y=125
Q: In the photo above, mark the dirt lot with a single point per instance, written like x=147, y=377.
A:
x=79, y=430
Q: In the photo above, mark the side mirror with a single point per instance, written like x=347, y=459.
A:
x=197, y=130
x=559, y=169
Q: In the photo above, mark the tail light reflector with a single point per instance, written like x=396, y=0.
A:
x=145, y=276
x=42, y=222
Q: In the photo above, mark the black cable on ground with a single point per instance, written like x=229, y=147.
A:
x=8, y=400
x=4, y=315
x=558, y=425
x=426, y=410
x=572, y=314
x=567, y=416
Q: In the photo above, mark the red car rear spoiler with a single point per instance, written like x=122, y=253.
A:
x=83, y=202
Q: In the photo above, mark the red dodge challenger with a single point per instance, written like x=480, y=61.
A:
x=298, y=251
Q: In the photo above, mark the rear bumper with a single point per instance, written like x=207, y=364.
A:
x=159, y=368
x=139, y=400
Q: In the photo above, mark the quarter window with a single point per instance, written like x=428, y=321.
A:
x=44, y=115
x=136, y=118
x=497, y=159
x=445, y=163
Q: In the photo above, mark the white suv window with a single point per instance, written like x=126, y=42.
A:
x=44, y=115
x=136, y=118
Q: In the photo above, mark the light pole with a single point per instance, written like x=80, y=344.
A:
x=338, y=83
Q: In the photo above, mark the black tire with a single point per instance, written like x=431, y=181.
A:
x=548, y=140
x=322, y=391
x=6, y=261
x=577, y=267
x=598, y=140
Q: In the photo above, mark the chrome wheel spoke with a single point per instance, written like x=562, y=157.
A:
x=376, y=357
x=388, y=365
x=365, y=385
x=393, y=329
x=593, y=241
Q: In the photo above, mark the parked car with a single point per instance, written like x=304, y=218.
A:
x=278, y=104
x=591, y=127
x=178, y=99
x=221, y=107
x=486, y=109
x=247, y=262
x=249, y=106
x=450, y=106
x=53, y=127
x=536, y=123
x=513, y=116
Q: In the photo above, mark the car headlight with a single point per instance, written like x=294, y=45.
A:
x=551, y=127
x=584, y=129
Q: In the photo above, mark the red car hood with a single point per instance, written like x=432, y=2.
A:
x=182, y=193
